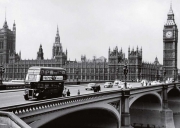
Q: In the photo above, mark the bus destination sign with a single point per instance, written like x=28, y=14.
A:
x=52, y=77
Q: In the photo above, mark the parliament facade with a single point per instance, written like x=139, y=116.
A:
x=102, y=68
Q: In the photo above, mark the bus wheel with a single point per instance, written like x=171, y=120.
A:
x=26, y=97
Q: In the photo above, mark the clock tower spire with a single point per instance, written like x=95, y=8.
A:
x=170, y=43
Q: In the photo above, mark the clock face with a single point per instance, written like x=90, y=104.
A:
x=169, y=34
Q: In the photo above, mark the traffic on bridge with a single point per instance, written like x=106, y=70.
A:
x=15, y=97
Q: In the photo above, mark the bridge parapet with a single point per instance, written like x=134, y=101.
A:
x=155, y=88
x=31, y=109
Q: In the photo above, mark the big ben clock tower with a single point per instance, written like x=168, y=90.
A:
x=170, y=43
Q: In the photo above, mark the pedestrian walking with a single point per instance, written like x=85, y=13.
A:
x=64, y=92
x=78, y=92
x=68, y=93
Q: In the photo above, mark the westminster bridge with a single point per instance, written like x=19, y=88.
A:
x=154, y=106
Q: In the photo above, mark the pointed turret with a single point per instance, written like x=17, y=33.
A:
x=57, y=50
x=137, y=49
x=170, y=10
x=109, y=51
x=5, y=25
x=57, y=34
x=20, y=55
x=14, y=26
x=5, y=22
x=57, y=38
x=170, y=19
x=40, y=54
x=156, y=62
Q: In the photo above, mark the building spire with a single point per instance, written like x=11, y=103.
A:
x=5, y=13
x=57, y=31
x=170, y=10
x=170, y=17
x=14, y=23
x=5, y=22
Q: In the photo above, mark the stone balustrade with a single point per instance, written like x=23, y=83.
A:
x=27, y=109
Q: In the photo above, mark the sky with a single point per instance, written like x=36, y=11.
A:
x=89, y=27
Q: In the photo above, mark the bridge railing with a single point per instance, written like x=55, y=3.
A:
x=145, y=89
x=25, y=110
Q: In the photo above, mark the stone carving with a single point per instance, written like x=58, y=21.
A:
x=115, y=105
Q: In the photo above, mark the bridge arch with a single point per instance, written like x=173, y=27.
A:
x=174, y=103
x=169, y=89
x=71, y=113
x=145, y=110
x=141, y=95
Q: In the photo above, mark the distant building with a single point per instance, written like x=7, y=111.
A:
x=16, y=68
x=8, y=44
x=113, y=68
x=96, y=68
x=170, y=43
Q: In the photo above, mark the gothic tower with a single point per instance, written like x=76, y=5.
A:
x=7, y=42
x=170, y=43
x=57, y=50
x=135, y=63
x=40, y=54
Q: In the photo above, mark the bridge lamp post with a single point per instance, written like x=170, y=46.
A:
x=125, y=69
x=164, y=73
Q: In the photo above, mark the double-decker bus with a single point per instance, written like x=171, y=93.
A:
x=44, y=82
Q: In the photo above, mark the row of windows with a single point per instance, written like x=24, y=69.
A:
x=88, y=77
x=1, y=45
x=16, y=70
x=86, y=70
x=33, y=64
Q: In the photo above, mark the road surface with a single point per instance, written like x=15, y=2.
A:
x=15, y=97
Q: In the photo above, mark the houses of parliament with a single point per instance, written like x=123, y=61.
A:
x=97, y=68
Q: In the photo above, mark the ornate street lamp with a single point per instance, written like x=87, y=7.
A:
x=164, y=73
x=125, y=69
